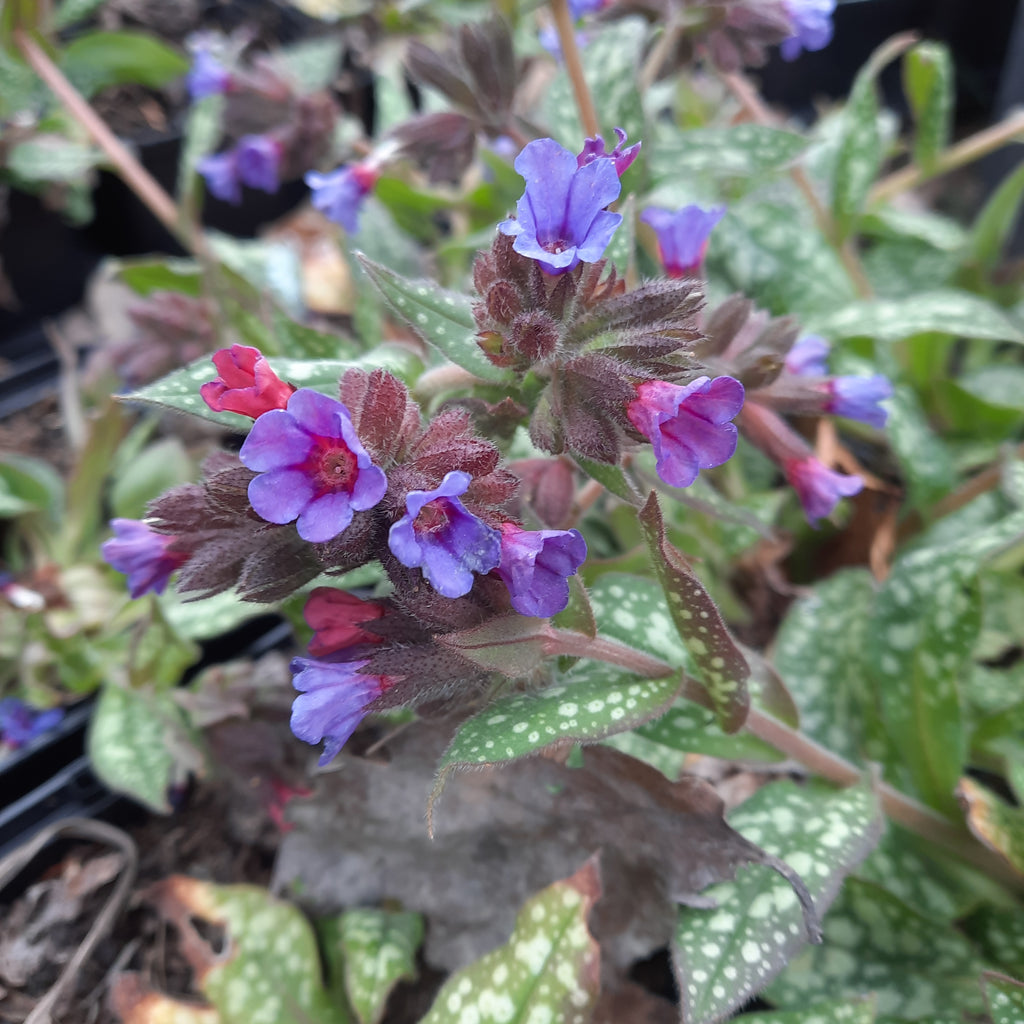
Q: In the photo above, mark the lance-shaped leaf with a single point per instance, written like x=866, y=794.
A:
x=179, y=391
x=726, y=954
x=739, y=151
x=269, y=970
x=998, y=825
x=611, y=477
x=550, y=969
x=876, y=943
x=591, y=702
x=442, y=318
x=995, y=222
x=368, y=952
x=857, y=1011
x=721, y=666
x=1005, y=998
x=928, y=82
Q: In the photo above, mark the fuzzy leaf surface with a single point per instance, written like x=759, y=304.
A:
x=548, y=970
x=726, y=954
x=928, y=83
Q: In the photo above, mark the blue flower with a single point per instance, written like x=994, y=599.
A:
x=818, y=487
x=258, y=161
x=807, y=357
x=340, y=194
x=220, y=171
x=20, y=724
x=683, y=236
x=858, y=398
x=332, y=701
x=812, y=26
x=142, y=555
x=207, y=77
x=535, y=566
x=561, y=218
x=438, y=535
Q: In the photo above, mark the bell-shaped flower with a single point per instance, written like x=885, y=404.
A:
x=207, y=76
x=812, y=26
x=440, y=536
x=336, y=616
x=245, y=383
x=818, y=487
x=807, y=357
x=593, y=149
x=683, y=236
x=332, y=701
x=220, y=172
x=20, y=723
x=535, y=566
x=688, y=426
x=858, y=398
x=561, y=218
x=340, y=194
x=312, y=467
x=142, y=555
x=258, y=161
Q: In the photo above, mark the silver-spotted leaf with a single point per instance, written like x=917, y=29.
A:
x=856, y=1011
x=740, y=151
x=726, y=954
x=371, y=951
x=548, y=971
x=875, y=943
x=1005, y=998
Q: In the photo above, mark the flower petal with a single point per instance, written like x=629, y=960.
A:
x=280, y=495
x=276, y=441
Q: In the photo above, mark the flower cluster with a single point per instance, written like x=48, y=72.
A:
x=255, y=161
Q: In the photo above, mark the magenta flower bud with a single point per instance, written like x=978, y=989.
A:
x=312, y=466
x=220, y=171
x=535, y=566
x=593, y=149
x=207, y=77
x=340, y=194
x=683, y=236
x=332, y=701
x=245, y=383
x=438, y=535
x=812, y=26
x=561, y=218
x=258, y=161
x=336, y=618
x=689, y=426
x=858, y=398
x=818, y=487
x=142, y=555
x=807, y=357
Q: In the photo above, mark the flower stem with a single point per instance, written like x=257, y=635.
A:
x=902, y=809
x=573, y=64
x=141, y=182
x=970, y=149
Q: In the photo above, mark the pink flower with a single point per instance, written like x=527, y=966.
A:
x=245, y=383
x=818, y=487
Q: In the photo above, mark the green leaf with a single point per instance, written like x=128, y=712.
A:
x=548, y=970
x=372, y=950
x=924, y=458
x=820, y=652
x=611, y=477
x=1005, y=998
x=740, y=151
x=180, y=390
x=146, y=275
x=52, y=158
x=297, y=341
x=71, y=11
x=728, y=953
x=20, y=89
x=721, y=667
x=876, y=944
x=902, y=267
x=130, y=744
x=202, y=133
x=860, y=1011
x=29, y=485
x=998, y=825
x=770, y=252
x=157, y=468
x=996, y=221
x=928, y=82
x=99, y=59
x=442, y=318
x=591, y=702
x=999, y=931
x=1001, y=386
x=621, y=250
x=269, y=969
x=312, y=64
x=211, y=617
x=693, y=729
x=945, y=311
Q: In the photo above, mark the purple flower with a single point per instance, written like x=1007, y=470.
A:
x=857, y=398
x=332, y=701
x=593, y=149
x=142, y=555
x=812, y=26
x=339, y=195
x=257, y=161
x=535, y=566
x=221, y=174
x=818, y=487
x=688, y=426
x=312, y=467
x=807, y=357
x=20, y=724
x=438, y=535
x=683, y=236
x=561, y=218
x=579, y=8
x=207, y=77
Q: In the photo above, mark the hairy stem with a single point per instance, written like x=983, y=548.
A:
x=970, y=149
x=573, y=64
x=138, y=179
x=902, y=809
